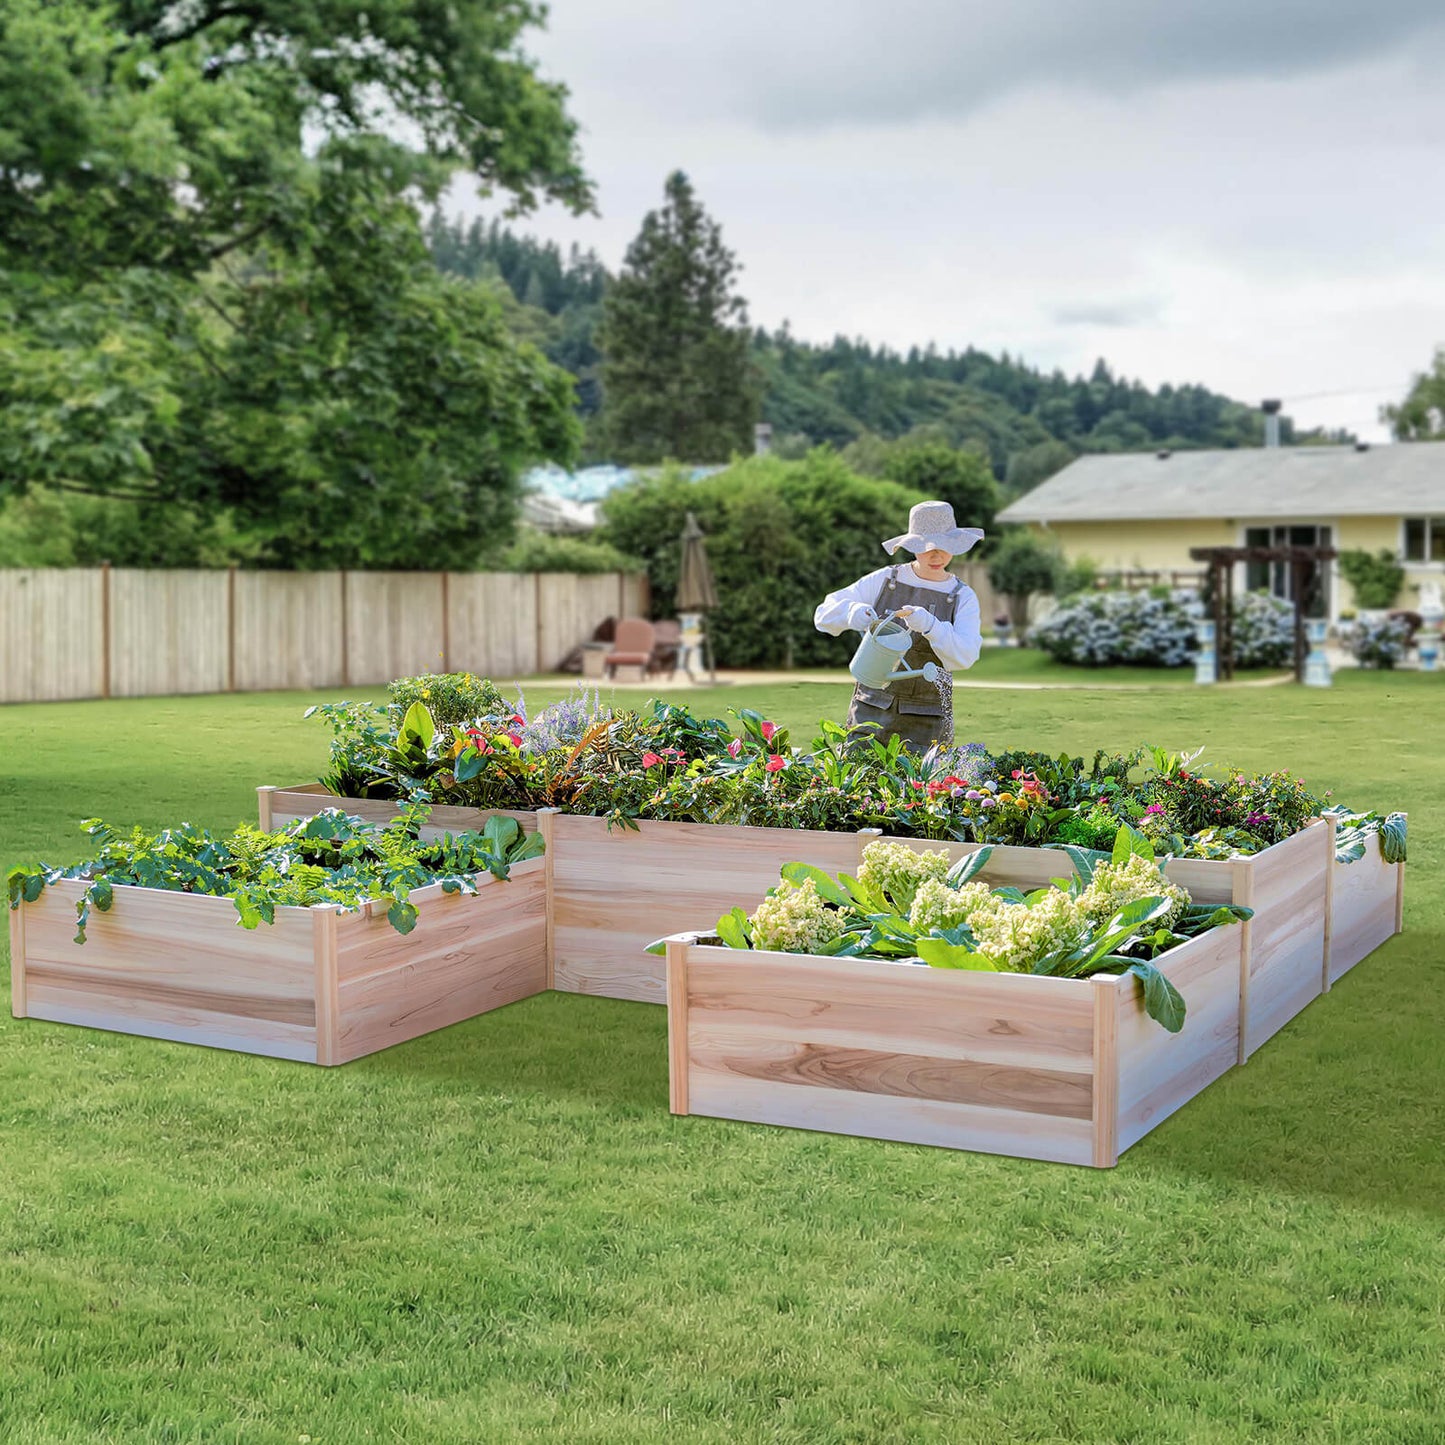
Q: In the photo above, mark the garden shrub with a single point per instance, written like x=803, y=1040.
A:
x=1263, y=631
x=1375, y=579
x=780, y=536
x=1379, y=642
x=450, y=697
x=538, y=551
x=1133, y=628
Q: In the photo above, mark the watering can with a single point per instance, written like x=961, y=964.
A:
x=881, y=653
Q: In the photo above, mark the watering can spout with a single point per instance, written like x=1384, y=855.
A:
x=880, y=656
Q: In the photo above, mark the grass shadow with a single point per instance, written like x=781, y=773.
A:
x=609, y=1052
x=1343, y=1103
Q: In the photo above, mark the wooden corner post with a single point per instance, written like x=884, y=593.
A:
x=324, y=918
x=19, y=1004
x=1244, y=894
x=263, y=806
x=677, y=948
x=1106, y=1072
x=547, y=827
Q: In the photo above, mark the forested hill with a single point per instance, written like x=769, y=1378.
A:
x=1030, y=422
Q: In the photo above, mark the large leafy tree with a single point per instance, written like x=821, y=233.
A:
x=676, y=377
x=1421, y=416
x=214, y=291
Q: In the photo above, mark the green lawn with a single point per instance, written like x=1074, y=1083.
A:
x=498, y=1232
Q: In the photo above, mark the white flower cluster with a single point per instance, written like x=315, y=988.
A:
x=794, y=920
x=936, y=905
x=1016, y=937
x=899, y=871
x=1115, y=884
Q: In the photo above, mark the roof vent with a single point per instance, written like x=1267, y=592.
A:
x=1362, y=446
x=1164, y=454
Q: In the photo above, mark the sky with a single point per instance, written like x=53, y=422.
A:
x=1231, y=193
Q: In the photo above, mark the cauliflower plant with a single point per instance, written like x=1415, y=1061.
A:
x=936, y=905
x=794, y=920
x=1115, y=884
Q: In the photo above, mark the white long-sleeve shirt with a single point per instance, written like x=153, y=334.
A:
x=957, y=643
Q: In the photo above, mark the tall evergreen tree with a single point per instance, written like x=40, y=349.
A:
x=676, y=376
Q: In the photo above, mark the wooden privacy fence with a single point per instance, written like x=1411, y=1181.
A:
x=119, y=632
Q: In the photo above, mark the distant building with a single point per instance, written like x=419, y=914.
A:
x=1141, y=512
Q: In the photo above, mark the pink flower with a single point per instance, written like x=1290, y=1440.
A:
x=515, y=739
x=735, y=747
x=776, y=763
x=650, y=760
x=767, y=730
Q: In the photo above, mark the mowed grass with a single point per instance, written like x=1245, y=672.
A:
x=499, y=1233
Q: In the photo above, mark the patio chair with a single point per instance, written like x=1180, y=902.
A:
x=632, y=646
x=666, y=647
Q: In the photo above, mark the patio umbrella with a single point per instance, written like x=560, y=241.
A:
x=695, y=589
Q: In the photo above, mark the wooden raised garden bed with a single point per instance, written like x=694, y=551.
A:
x=616, y=889
x=1069, y=1070
x=319, y=985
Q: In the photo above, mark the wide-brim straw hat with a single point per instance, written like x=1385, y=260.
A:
x=931, y=524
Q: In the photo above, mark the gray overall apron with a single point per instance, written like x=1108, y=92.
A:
x=911, y=708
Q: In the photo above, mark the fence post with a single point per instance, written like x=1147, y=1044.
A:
x=621, y=595
x=537, y=608
x=231, y=628
x=446, y=622
x=105, y=629
x=345, y=636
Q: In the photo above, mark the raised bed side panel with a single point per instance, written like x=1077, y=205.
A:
x=466, y=956
x=1001, y=1063
x=1286, y=937
x=615, y=891
x=172, y=966
x=279, y=806
x=1159, y=1072
x=1365, y=907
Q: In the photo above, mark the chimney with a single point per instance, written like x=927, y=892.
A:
x=1270, y=408
x=762, y=438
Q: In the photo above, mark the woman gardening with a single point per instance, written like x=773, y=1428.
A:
x=936, y=607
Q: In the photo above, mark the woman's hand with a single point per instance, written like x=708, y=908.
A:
x=916, y=619
x=861, y=617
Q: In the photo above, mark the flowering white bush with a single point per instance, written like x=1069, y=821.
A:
x=1135, y=628
x=938, y=905
x=1263, y=631
x=794, y=920
x=896, y=870
x=1379, y=642
x=1115, y=884
x=1016, y=937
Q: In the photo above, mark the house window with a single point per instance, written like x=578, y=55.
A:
x=1425, y=539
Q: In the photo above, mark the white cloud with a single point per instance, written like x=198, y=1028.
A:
x=1239, y=195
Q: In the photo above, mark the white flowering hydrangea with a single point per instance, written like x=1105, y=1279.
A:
x=899, y=871
x=936, y=905
x=794, y=920
x=1115, y=884
x=1016, y=937
x=1138, y=628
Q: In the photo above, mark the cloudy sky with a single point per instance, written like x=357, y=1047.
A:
x=1237, y=193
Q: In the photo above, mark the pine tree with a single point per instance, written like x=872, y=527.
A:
x=677, y=381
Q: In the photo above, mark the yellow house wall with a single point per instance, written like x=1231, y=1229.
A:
x=1163, y=546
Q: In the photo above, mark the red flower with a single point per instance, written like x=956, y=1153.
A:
x=776, y=762
x=1017, y=773
x=520, y=721
x=515, y=739
x=767, y=730
x=650, y=760
x=735, y=747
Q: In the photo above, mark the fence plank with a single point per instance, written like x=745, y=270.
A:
x=393, y=625
x=288, y=629
x=187, y=631
x=168, y=632
x=50, y=641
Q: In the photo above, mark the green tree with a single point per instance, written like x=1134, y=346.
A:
x=677, y=381
x=961, y=478
x=197, y=309
x=1421, y=416
x=1021, y=566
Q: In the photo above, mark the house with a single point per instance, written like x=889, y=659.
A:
x=1143, y=511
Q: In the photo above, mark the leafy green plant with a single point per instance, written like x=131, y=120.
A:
x=450, y=698
x=1375, y=577
x=1117, y=914
x=331, y=857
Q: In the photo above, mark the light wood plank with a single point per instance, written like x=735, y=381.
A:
x=17, y=963
x=1367, y=898
x=324, y=920
x=1108, y=998
x=881, y=1116
x=1160, y=1072
x=678, y=1035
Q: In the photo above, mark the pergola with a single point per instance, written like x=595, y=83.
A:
x=1221, y=562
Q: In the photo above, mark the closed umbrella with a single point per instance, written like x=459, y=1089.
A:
x=695, y=590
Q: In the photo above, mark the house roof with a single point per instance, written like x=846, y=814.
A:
x=1407, y=478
